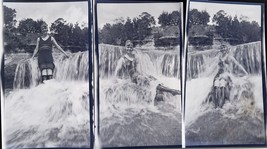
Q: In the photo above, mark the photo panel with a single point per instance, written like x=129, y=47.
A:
x=138, y=46
x=225, y=89
x=47, y=99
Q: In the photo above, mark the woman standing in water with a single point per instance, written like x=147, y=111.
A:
x=222, y=83
x=44, y=49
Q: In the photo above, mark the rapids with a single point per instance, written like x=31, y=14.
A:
x=128, y=116
x=241, y=120
x=52, y=114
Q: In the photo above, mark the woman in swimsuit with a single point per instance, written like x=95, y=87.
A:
x=127, y=67
x=222, y=83
x=44, y=50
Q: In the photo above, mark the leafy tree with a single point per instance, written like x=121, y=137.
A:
x=129, y=33
x=143, y=24
x=12, y=42
x=198, y=18
x=9, y=18
x=117, y=33
x=204, y=17
x=250, y=32
x=70, y=36
x=137, y=29
x=105, y=35
x=29, y=26
x=76, y=35
x=221, y=18
x=10, y=39
x=164, y=19
x=85, y=38
x=61, y=31
x=194, y=17
x=223, y=22
x=112, y=34
x=235, y=30
x=240, y=30
x=175, y=18
x=169, y=19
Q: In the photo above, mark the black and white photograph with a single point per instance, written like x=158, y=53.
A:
x=46, y=75
x=139, y=46
x=224, y=99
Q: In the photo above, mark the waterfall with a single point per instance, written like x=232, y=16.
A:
x=201, y=63
x=128, y=108
x=195, y=65
x=249, y=56
x=109, y=55
x=74, y=68
x=52, y=114
x=152, y=62
x=244, y=107
x=26, y=74
x=171, y=66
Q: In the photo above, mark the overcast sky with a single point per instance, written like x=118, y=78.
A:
x=253, y=12
x=72, y=12
x=108, y=12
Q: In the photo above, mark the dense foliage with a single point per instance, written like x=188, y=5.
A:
x=140, y=29
x=231, y=29
x=136, y=29
x=198, y=17
x=169, y=19
x=22, y=38
x=236, y=30
x=202, y=30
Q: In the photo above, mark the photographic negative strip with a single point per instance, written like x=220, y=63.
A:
x=225, y=78
x=139, y=93
x=46, y=74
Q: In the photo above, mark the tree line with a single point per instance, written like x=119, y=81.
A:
x=229, y=28
x=75, y=38
x=233, y=29
x=136, y=29
x=70, y=36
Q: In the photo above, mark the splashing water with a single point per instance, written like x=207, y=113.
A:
x=49, y=115
x=128, y=116
x=52, y=114
x=127, y=111
x=241, y=120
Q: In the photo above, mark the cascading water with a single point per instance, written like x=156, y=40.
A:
x=161, y=63
x=203, y=62
x=26, y=74
x=75, y=68
x=241, y=120
x=249, y=56
x=127, y=110
x=52, y=114
x=195, y=65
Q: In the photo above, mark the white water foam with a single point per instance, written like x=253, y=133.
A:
x=127, y=109
x=53, y=114
x=198, y=88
